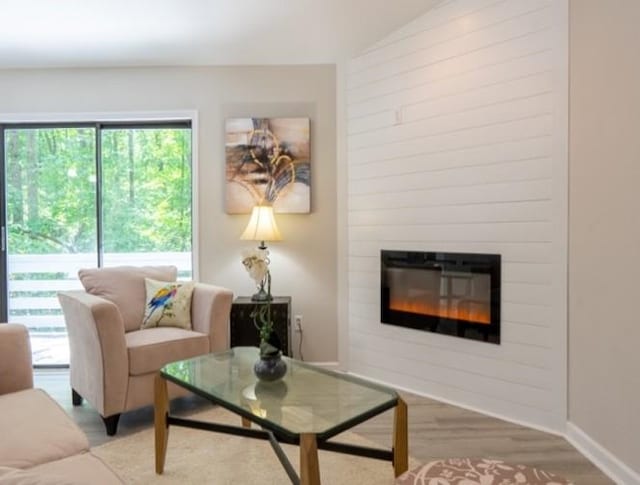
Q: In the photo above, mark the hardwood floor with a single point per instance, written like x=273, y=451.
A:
x=436, y=430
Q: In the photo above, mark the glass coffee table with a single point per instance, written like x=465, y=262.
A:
x=308, y=407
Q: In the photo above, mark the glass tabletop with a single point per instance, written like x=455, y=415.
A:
x=308, y=399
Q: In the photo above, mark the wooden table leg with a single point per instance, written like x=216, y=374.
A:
x=400, y=439
x=309, y=466
x=161, y=409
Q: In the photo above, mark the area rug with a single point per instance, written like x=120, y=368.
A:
x=203, y=457
x=469, y=471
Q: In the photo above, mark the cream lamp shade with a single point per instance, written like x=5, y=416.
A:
x=262, y=225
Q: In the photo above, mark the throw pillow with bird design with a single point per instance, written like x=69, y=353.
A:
x=168, y=304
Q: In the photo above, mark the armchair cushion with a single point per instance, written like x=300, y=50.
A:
x=152, y=348
x=124, y=286
x=168, y=304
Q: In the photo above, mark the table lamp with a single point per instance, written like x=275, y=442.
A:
x=262, y=227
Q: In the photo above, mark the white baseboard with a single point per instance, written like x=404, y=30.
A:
x=327, y=365
x=615, y=469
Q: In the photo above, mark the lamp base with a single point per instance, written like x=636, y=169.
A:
x=261, y=296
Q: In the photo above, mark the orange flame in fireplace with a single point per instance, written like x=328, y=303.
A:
x=474, y=312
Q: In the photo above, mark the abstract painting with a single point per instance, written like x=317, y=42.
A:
x=268, y=161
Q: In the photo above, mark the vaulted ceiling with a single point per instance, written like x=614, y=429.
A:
x=92, y=33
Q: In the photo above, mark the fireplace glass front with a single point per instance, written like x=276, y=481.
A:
x=450, y=293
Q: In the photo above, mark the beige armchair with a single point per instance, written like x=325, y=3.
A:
x=112, y=361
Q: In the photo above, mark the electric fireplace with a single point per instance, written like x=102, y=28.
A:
x=450, y=293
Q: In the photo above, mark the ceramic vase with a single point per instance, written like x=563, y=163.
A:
x=270, y=367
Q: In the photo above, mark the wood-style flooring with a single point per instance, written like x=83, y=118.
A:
x=436, y=430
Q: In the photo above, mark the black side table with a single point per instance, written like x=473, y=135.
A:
x=243, y=330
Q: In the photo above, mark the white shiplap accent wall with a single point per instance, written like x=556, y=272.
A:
x=457, y=139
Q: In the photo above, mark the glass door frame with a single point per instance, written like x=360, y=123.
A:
x=4, y=290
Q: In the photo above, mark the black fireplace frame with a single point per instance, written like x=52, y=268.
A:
x=465, y=262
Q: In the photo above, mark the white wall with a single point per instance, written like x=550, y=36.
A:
x=303, y=264
x=604, y=249
x=457, y=139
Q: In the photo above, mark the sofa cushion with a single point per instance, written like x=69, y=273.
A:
x=81, y=469
x=124, y=286
x=16, y=372
x=152, y=348
x=35, y=430
x=16, y=476
x=167, y=304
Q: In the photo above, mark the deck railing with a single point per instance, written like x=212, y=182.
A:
x=35, y=279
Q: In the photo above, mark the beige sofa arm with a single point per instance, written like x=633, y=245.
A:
x=99, y=363
x=210, y=312
x=16, y=373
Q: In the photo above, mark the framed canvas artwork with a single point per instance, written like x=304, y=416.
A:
x=268, y=161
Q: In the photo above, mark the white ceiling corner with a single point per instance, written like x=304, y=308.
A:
x=108, y=33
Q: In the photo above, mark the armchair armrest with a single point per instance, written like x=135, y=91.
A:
x=16, y=373
x=99, y=363
x=210, y=313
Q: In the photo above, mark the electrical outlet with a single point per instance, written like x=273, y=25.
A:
x=298, y=323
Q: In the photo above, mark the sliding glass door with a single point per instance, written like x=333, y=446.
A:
x=50, y=227
x=88, y=195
